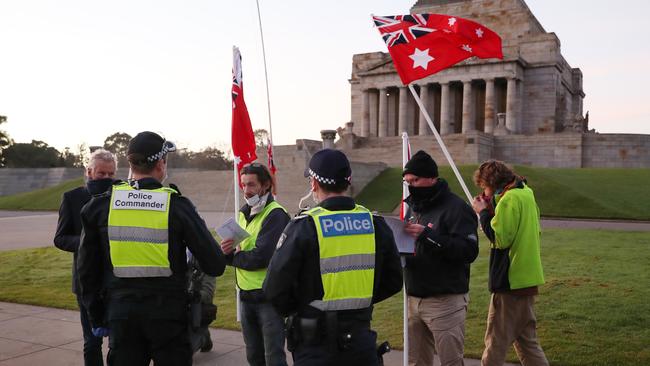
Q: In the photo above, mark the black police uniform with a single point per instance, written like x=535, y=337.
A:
x=147, y=317
x=293, y=281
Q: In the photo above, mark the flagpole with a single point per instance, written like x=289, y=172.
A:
x=236, y=204
x=405, y=310
x=266, y=74
x=440, y=142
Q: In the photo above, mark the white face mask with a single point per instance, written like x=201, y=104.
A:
x=301, y=203
x=252, y=201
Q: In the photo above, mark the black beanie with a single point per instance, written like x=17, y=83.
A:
x=422, y=165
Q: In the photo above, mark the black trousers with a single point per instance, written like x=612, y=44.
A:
x=362, y=350
x=92, y=344
x=142, y=330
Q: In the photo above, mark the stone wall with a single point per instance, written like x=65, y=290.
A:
x=558, y=150
x=18, y=180
x=616, y=151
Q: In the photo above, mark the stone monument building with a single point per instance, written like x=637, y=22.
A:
x=525, y=109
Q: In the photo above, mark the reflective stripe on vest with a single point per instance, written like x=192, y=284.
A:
x=346, y=241
x=253, y=280
x=138, y=231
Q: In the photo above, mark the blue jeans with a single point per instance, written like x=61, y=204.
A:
x=92, y=344
x=264, y=335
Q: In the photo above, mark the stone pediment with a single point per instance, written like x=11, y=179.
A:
x=380, y=67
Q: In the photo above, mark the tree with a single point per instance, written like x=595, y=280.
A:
x=118, y=144
x=36, y=154
x=261, y=137
x=210, y=158
x=5, y=141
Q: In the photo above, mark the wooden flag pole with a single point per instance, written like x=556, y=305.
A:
x=441, y=143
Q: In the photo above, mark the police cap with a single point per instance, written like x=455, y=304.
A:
x=330, y=167
x=150, y=145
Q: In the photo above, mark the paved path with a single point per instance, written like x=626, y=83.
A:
x=35, y=336
x=34, y=229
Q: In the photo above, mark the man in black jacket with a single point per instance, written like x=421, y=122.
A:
x=331, y=265
x=437, y=275
x=99, y=176
x=132, y=261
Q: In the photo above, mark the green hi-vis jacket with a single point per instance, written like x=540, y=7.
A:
x=515, y=261
x=138, y=231
x=253, y=280
x=346, y=241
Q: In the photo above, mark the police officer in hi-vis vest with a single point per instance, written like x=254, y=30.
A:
x=132, y=262
x=264, y=219
x=332, y=263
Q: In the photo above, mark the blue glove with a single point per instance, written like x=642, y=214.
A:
x=100, y=332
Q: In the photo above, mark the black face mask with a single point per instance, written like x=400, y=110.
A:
x=421, y=193
x=98, y=186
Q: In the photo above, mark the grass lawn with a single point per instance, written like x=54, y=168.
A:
x=593, y=309
x=579, y=193
x=46, y=199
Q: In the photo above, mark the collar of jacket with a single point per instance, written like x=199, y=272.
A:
x=517, y=183
x=338, y=203
x=246, y=209
x=147, y=183
x=439, y=190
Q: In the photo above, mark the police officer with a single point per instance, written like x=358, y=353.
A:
x=132, y=264
x=331, y=265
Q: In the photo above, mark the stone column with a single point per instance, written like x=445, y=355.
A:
x=374, y=102
x=511, y=105
x=490, y=106
x=328, y=137
x=468, y=108
x=365, y=109
x=423, y=126
x=382, y=130
x=445, y=122
x=403, y=111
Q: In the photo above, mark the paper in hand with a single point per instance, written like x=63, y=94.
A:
x=405, y=243
x=231, y=230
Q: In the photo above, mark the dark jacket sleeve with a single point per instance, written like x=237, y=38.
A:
x=90, y=267
x=66, y=238
x=485, y=217
x=267, y=239
x=198, y=238
x=460, y=243
x=280, y=284
x=388, y=269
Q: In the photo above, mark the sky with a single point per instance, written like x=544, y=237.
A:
x=76, y=71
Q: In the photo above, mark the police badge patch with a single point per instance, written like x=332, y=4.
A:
x=280, y=241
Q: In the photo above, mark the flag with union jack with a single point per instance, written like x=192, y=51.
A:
x=423, y=44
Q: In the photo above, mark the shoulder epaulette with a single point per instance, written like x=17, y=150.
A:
x=175, y=187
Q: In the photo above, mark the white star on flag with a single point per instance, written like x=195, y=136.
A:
x=452, y=21
x=421, y=58
x=237, y=160
x=479, y=32
x=467, y=48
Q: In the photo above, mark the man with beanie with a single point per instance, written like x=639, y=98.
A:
x=132, y=262
x=332, y=263
x=437, y=274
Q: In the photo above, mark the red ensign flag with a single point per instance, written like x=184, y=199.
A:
x=243, y=139
x=423, y=44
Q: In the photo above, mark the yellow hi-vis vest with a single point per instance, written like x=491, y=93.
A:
x=138, y=231
x=346, y=241
x=253, y=280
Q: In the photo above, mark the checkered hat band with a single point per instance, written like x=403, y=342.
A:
x=324, y=180
x=159, y=155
